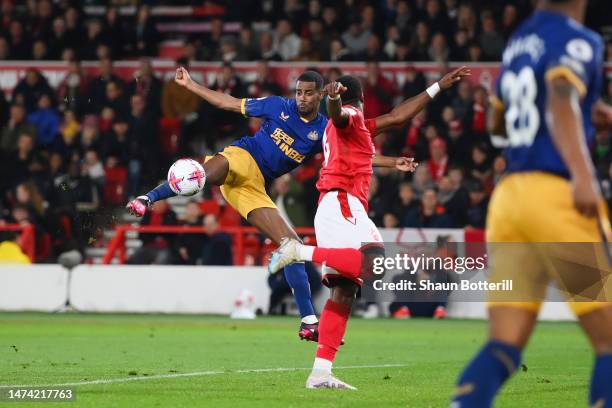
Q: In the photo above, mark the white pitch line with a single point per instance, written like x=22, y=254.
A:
x=195, y=374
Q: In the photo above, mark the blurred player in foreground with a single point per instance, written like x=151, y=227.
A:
x=348, y=240
x=549, y=82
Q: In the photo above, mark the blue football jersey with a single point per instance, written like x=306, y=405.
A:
x=284, y=140
x=546, y=45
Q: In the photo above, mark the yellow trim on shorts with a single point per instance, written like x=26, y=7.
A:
x=496, y=102
x=568, y=74
x=243, y=106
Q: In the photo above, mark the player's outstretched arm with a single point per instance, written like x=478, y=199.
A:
x=140, y=204
x=217, y=99
x=564, y=119
x=333, y=103
x=406, y=110
x=399, y=163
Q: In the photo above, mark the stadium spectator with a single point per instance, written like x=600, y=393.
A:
x=72, y=91
x=211, y=44
x=217, y=248
x=491, y=42
x=189, y=246
x=337, y=51
x=286, y=41
x=115, y=99
x=438, y=51
x=414, y=82
x=419, y=48
x=114, y=32
x=287, y=195
x=97, y=87
x=477, y=210
x=480, y=168
x=47, y=121
x=320, y=40
x=40, y=51
x=246, y=49
x=148, y=86
x=16, y=164
x=438, y=161
x=17, y=125
x=146, y=37
x=455, y=196
x=355, y=38
x=29, y=89
x=405, y=202
x=267, y=49
x=378, y=91
x=509, y=20
x=499, y=168
x=178, y=102
x=19, y=41
x=222, y=126
x=430, y=214
x=264, y=84
x=156, y=247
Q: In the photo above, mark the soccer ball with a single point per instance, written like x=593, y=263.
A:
x=186, y=177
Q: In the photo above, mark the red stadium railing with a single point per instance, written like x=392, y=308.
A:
x=27, y=238
x=239, y=235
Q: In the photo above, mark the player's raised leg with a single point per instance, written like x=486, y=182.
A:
x=270, y=222
x=215, y=169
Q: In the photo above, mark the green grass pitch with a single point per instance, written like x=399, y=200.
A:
x=191, y=361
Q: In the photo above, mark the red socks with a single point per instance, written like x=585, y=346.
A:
x=347, y=261
x=332, y=326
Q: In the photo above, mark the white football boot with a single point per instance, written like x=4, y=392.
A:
x=328, y=381
x=285, y=254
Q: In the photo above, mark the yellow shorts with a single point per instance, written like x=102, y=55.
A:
x=244, y=187
x=564, y=246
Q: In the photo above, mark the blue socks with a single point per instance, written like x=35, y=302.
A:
x=298, y=281
x=161, y=192
x=601, y=383
x=485, y=375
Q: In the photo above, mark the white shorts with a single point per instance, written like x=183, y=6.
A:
x=342, y=222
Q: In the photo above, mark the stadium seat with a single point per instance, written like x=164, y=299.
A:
x=169, y=131
x=114, y=185
x=229, y=217
x=210, y=207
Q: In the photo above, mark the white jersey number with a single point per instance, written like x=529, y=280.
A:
x=522, y=116
x=325, y=150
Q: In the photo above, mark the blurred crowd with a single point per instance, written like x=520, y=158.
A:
x=71, y=156
x=280, y=30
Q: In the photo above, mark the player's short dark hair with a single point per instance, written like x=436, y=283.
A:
x=312, y=76
x=353, y=91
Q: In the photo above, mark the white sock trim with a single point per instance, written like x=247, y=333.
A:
x=305, y=252
x=310, y=319
x=322, y=365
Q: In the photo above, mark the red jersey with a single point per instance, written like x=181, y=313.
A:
x=348, y=156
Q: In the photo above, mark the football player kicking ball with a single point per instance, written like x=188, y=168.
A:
x=341, y=223
x=290, y=134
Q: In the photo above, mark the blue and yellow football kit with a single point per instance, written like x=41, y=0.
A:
x=284, y=141
x=533, y=203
